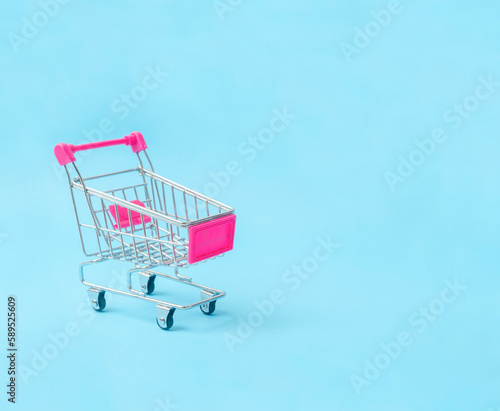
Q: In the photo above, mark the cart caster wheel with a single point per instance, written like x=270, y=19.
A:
x=148, y=283
x=97, y=300
x=165, y=318
x=208, y=308
x=150, y=287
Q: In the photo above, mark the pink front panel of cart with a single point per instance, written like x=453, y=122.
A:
x=212, y=238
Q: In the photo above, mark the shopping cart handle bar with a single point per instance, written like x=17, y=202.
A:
x=65, y=153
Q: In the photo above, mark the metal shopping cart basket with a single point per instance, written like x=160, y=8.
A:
x=150, y=221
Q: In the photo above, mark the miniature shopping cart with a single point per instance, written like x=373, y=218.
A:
x=140, y=217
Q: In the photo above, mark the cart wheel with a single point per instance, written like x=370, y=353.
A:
x=100, y=303
x=208, y=308
x=166, y=322
x=150, y=288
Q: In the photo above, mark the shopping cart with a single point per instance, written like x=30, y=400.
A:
x=150, y=221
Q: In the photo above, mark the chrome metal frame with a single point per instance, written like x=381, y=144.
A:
x=160, y=239
x=215, y=294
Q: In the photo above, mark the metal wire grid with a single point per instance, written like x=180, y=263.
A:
x=172, y=209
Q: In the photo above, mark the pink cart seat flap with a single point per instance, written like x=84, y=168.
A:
x=123, y=215
x=212, y=238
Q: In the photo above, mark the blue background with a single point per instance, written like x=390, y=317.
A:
x=322, y=176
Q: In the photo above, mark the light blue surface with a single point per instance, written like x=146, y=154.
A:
x=323, y=175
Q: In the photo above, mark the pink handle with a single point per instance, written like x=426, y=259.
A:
x=65, y=152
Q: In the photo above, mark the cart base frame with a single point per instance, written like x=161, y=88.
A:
x=164, y=309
